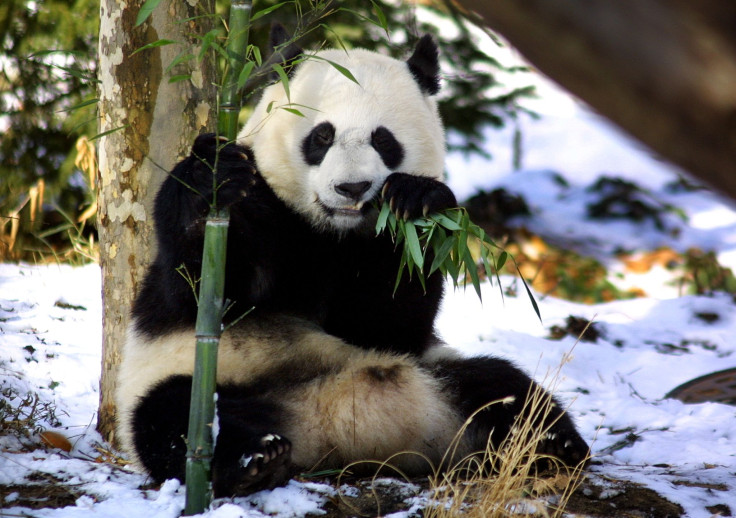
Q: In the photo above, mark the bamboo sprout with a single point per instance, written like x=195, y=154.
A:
x=200, y=437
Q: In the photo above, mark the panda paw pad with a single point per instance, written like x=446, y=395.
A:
x=267, y=466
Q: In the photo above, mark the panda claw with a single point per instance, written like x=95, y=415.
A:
x=268, y=467
x=383, y=191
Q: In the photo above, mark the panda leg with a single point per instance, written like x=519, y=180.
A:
x=476, y=382
x=249, y=454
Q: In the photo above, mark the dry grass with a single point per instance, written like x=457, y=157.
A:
x=27, y=234
x=509, y=480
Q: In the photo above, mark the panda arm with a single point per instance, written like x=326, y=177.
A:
x=185, y=197
x=411, y=196
x=166, y=298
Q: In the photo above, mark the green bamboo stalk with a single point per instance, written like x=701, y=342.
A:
x=230, y=102
x=200, y=440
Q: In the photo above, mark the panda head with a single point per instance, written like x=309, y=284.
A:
x=330, y=164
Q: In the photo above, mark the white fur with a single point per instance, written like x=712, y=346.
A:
x=386, y=95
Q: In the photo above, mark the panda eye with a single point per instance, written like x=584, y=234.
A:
x=390, y=150
x=318, y=142
x=323, y=135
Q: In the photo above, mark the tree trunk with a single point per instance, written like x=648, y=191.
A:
x=663, y=70
x=159, y=121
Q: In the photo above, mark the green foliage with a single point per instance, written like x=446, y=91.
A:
x=450, y=243
x=703, y=274
x=47, y=101
x=622, y=199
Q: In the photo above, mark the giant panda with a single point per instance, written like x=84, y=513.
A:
x=332, y=365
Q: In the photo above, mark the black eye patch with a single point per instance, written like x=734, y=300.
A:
x=316, y=144
x=390, y=150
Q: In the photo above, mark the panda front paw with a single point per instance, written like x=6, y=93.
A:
x=233, y=165
x=411, y=196
x=266, y=466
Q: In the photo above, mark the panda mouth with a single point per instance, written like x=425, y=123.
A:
x=353, y=211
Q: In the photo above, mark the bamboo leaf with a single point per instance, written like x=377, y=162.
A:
x=442, y=254
x=267, y=10
x=501, y=260
x=209, y=40
x=472, y=270
x=283, y=77
x=245, y=73
x=402, y=264
x=181, y=58
x=257, y=55
x=178, y=78
x=344, y=71
x=412, y=243
x=381, y=17
x=146, y=10
x=108, y=132
x=442, y=219
x=293, y=110
x=529, y=293
x=382, y=218
x=80, y=105
x=153, y=45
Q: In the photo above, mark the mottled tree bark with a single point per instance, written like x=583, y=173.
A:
x=159, y=121
x=663, y=70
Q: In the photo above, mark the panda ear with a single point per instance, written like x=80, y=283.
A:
x=424, y=65
x=286, y=51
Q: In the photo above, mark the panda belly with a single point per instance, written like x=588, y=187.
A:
x=373, y=407
x=283, y=377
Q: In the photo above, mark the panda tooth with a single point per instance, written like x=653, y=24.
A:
x=359, y=205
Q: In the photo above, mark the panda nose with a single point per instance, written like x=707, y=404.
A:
x=353, y=190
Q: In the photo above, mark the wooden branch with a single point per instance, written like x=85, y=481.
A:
x=663, y=70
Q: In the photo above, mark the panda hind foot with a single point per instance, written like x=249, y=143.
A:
x=565, y=445
x=268, y=466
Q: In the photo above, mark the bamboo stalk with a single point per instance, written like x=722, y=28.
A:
x=200, y=438
x=237, y=44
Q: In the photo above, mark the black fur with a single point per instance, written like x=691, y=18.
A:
x=317, y=143
x=285, y=51
x=469, y=382
x=391, y=151
x=424, y=65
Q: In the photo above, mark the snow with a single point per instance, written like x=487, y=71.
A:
x=50, y=338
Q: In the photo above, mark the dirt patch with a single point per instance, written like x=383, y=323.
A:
x=380, y=498
x=620, y=499
x=37, y=496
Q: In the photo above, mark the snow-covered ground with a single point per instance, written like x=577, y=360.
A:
x=50, y=341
